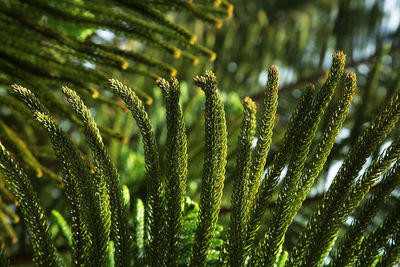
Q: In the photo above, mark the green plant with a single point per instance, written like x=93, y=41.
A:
x=169, y=230
x=49, y=44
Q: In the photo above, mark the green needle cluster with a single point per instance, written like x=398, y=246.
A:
x=238, y=222
x=51, y=41
x=213, y=170
x=166, y=228
x=155, y=212
x=44, y=250
x=176, y=176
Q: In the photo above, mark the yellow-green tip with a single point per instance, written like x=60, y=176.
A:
x=39, y=173
x=339, y=58
x=230, y=11
x=95, y=93
x=177, y=53
x=213, y=56
x=149, y=101
x=218, y=23
x=273, y=73
x=193, y=39
x=351, y=81
x=174, y=72
x=310, y=87
x=125, y=65
x=248, y=101
x=351, y=76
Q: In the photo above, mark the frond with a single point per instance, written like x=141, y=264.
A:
x=53, y=54
x=267, y=121
x=177, y=158
x=213, y=168
x=108, y=187
x=331, y=212
x=349, y=243
x=311, y=172
x=268, y=184
x=237, y=228
x=377, y=239
x=155, y=211
x=75, y=176
x=44, y=251
x=290, y=197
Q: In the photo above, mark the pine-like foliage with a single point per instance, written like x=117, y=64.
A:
x=214, y=168
x=49, y=44
x=334, y=209
x=44, y=250
x=238, y=227
x=108, y=181
x=266, y=187
x=71, y=171
x=50, y=41
x=155, y=212
x=349, y=243
x=176, y=167
x=171, y=230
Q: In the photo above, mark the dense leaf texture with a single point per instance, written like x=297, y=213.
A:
x=168, y=229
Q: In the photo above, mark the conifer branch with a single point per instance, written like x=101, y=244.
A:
x=214, y=168
x=237, y=228
x=378, y=237
x=268, y=184
x=154, y=14
x=177, y=158
x=328, y=139
x=319, y=75
x=348, y=246
x=51, y=102
x=102, y=8
x=259, y=155
x=110, y=180
x=155, y=208
x=331, y=212
x=292, y=195
x=303, y=110
x=53, y=54
x=140, y=58
x=75, y=176
x=44, y=251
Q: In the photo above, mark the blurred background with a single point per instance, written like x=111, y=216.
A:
x=298, y=37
